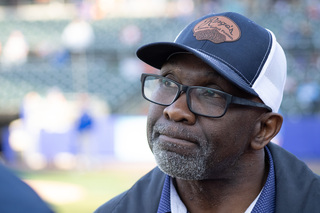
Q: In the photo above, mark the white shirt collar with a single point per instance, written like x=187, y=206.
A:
x=177, y=206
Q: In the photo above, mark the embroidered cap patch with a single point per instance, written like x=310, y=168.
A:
x=217, y=29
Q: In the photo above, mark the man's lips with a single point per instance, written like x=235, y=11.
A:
x=175, y=135
x=176, y=139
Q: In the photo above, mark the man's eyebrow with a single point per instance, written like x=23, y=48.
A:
x=168, y=68
x=213, y=75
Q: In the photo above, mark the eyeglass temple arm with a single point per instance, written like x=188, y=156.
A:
x=246, y=102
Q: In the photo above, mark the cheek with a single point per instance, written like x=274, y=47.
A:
x=238, y=136
x=239, y=131
x=154, y=114
x=228, y=138
x=224, y=151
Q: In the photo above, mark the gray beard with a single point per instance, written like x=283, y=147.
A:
x=179, y=166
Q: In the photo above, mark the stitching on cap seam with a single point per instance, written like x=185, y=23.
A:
x=265, y=55
x=235, y=69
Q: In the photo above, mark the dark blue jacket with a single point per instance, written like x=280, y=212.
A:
x=17, y=197
x=297, y=188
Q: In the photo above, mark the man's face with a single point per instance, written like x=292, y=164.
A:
x=194, y=147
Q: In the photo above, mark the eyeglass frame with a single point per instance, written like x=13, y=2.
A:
x=230, y=99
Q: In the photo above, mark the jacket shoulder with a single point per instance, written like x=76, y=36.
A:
x=297, y=187
x=143, y=196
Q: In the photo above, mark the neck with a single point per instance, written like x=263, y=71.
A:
x=232, y=193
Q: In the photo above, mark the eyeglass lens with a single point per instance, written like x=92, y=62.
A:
x=206, y=101
x=160, y=90
x=201, y=100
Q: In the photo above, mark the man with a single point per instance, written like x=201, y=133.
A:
x=214, y=112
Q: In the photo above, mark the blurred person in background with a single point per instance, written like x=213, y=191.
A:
x=214, y=112
x=15, y=50
x=16, y=196
x=84, y=126
x=77, y=37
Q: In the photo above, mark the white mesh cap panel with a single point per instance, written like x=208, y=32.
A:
x=271, y=81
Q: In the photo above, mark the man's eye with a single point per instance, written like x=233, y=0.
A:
x=210, y=94
x=167, y=83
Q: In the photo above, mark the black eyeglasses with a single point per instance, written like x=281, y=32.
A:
x=201, y=100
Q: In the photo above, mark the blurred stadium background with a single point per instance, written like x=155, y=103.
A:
x=70, y=103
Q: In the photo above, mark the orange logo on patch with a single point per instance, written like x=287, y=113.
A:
x=217, y=29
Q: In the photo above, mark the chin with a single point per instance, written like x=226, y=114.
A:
x=181, y=167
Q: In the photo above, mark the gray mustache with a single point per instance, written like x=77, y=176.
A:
x=176, y=131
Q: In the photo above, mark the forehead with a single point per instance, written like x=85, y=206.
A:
x=185, y=66
x=190, y=70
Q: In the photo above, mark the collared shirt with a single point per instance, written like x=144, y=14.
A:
x=265, y=202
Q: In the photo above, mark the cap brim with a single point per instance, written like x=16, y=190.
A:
x=156, y=54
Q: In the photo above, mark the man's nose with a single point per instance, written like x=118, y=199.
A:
x=179, y=111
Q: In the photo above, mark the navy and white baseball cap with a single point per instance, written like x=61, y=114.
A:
x=243, y=52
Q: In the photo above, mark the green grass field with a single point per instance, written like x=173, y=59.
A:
x=84, y=191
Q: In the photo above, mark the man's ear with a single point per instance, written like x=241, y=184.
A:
x=267, y=127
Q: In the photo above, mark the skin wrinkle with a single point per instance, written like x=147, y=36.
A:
x=173, y=67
